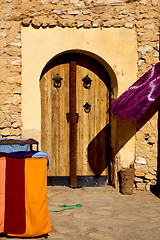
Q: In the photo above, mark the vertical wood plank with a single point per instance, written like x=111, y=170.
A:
x=60, y=133
x=73, y=125
x=46, y=116
x=54, y=126
x=92, y=158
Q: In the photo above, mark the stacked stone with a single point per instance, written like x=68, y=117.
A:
x=146, y=155
x=10, y=69
x=148, y=55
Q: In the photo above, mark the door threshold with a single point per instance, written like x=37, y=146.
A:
x=82, y=181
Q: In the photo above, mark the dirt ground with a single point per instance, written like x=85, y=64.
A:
x=105, y=214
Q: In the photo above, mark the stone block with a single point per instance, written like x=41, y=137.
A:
x=141, y=168
x=141, y=61
x=17, y=44
x=153, y=182
x=138, y=179
x=5, y=132
x=149, y=26
x=141, y=160
x=2, y=117
x=16, y=100
x=55, y=1
x=26, y=22
x=69, y=23
x=152, y=171
x=16, y=62
x=139, y=174
x=148, y=185
x=87, y=2
x=150, y=176
x=15, y=132
x=12, y=52
x=155, y=2
x=87, y=24
x=123, y=12
x=52, y=22
x=146, y=180
x=95, y=24
x=3, y=34
x=17, y=124
x=36, y=23
x=77, y=3
x=73, y=12
x=79, y=24
x=144, y=49
x=86, y=12
x=18, y=36
x=144, y=2
x=129, y=25
x=140, y=186
x=59, y=12
x=129, y=18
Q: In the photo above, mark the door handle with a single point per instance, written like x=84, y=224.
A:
x=77, y=117
x=69, y=118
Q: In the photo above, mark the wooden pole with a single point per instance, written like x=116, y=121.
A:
x=73, y=124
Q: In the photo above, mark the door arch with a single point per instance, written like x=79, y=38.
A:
x=75, y=128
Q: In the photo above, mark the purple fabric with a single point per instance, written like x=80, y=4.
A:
x=136, y=100
x=21, y=154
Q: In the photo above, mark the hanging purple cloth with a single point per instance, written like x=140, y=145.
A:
x=136, y=100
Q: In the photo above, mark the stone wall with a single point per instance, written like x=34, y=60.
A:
x=146, y=155
x=140, y=15
x=10, y=69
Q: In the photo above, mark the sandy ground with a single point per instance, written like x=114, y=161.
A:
x=105, y=214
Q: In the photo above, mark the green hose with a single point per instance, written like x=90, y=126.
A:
x=66, y=207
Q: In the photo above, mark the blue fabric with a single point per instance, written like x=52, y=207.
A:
x=42, y=154
x=14, y=147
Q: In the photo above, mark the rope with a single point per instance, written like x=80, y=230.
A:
x=66, y=207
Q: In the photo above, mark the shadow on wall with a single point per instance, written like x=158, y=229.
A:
x=126, y=129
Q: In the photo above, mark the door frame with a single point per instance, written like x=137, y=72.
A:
x=73, y=177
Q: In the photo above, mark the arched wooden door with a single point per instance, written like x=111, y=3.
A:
x=75, y=125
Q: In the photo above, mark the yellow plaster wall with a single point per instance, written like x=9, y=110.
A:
x=116, y=46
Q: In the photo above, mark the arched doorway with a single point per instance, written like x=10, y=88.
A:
x=75, y=128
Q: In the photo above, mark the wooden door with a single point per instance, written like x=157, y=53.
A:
x=75, y=136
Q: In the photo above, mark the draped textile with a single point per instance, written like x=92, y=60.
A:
x=28, y=154
x=37, y=215
x=2, y=191
x=137, y=99
x=15, y=221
